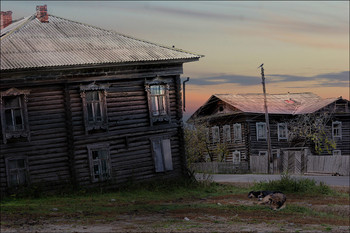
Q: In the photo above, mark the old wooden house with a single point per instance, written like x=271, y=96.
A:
x=238, y=121
x=86, y=106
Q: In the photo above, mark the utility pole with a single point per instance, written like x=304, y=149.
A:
x=269, y=150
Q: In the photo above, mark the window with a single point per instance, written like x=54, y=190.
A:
x=227, y=133
x=216, y=134
x=237, y=132
x=236, y=157
x=14, y=116
x=158, y=100
x=261, y=131
x=336, y=129
x=94, y=106
x=282, y=131
x=262, y=153
x=336, y=152
x=161, y=149
x=100, y=165
x=17, y=171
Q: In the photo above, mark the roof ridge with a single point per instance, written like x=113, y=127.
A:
x=29, y=18
x=127, y=36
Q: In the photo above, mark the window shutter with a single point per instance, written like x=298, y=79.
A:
x=168, y=160
x=158, y=158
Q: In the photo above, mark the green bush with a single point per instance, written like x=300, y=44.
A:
x=288, y=184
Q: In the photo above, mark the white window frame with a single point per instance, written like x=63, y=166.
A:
x=282, y=131
x=236, y=154
x=226, y=133
x=162, y=156
x=102, y=175
x=337, y=130
x=258, y=129
x=215, y=130
x=156, y=114
x=336, y=152
x=237, y=132
x=17, y=170
x=263, y=153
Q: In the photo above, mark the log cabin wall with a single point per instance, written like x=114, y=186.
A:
x=58, y=150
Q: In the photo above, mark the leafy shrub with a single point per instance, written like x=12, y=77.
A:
x=288, y=184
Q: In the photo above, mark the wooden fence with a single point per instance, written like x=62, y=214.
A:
x=329, y=164
x=220, y=167
x=300, y=161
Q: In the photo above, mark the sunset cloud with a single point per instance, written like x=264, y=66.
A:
x=340, y=79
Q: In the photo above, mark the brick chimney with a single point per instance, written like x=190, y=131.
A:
x=41, y=14
x=6, y=18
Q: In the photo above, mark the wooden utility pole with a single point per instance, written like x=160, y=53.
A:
x=269, y=150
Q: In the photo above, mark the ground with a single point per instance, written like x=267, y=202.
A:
x=227, y=213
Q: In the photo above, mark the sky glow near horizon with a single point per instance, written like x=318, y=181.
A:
x=304, y=45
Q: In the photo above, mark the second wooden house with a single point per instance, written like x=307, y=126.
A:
x=238, y=122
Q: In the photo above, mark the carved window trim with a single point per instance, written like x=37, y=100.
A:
x=103, y=164
x=215, y=130
x=237, y=132
x=337, y=129
x=161, y=117
x=261, y=131
x=17, y=171
x=282, y=131
x=23, y=99
x=101, y=89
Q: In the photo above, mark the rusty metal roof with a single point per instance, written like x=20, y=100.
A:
x=28, y=43
x=290, y=103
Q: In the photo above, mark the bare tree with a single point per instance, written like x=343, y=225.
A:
x=311, y=129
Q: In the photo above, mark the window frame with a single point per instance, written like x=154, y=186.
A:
x=285, y=130
x=263, y=153
x=25, y=169
x=336, y=152
x=226, y=133
x=99, y=147
x=101, y=89
x=258, y=138
x=339, y=129
x=237, y=132
x=215, y=131
x=163, y=162
x=23, y=99
x=158, y=81
x=234, y=154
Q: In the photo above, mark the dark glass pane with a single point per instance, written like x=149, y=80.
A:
x=20, y=163
x=12, y=164
x=90, y=112
x=95, y=155
x=8, y=117
x=12, y=102
x=89, y=96
x=18, y=119
x=96, y=170
x=13, y=179
x=103, y=154
x=98, y=116
x=22, y=178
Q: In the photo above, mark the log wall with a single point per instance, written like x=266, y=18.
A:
x=58, y=150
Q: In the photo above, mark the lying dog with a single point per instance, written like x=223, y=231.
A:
x=259, y=194
x=276, y=200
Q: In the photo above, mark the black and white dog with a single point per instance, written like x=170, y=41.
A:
x=275, y=199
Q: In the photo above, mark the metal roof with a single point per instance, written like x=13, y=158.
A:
x=289, y=103
x=28, y=43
